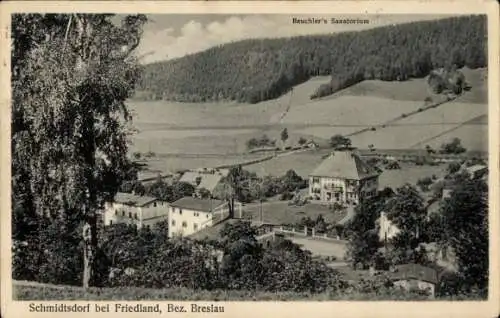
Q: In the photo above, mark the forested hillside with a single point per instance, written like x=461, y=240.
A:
x=257, y=70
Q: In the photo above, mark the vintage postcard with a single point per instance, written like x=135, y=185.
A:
x=229, y=159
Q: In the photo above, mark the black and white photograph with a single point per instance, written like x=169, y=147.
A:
x=267, y=157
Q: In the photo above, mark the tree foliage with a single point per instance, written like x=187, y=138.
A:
x=362, y=230
x=261, y=69
x=284, y=135
x=262, y=142
x=453, y=147
x=71, y=76
x=465, y=227
x=406, y=210
x=339, y=141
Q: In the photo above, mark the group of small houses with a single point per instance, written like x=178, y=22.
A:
x=343, y=178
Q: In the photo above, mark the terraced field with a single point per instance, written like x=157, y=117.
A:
x=415, y=130
x=212, y=134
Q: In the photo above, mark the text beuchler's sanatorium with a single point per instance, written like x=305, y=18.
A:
x=321, y=20
x=126, y=308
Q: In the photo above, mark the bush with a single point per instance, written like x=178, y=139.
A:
x=149, y=154
x=263, y=141
x=54, y=254
x=453, y=147
x=424, y=183
x=453, y=167
x=286, y=196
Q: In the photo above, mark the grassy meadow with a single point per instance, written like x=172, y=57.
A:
x=26, y=291
x=191, y=135
x=68, y=293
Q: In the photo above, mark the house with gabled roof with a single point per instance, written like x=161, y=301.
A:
x=129, y=208
x=206, y=179
x=344, y=178
x=189, y=215
x=415, y=277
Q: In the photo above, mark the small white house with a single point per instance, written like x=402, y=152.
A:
x=387, y=229
x=415, y=277
x=189, y=215
x=133, y=209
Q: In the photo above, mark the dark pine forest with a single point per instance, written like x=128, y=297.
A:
x=251, y=71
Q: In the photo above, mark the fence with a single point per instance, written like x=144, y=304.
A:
x=245, y=163
x=308, y=232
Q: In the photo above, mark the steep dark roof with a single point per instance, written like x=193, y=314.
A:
x=344, y=164
x=415, y=271
x=204, y=205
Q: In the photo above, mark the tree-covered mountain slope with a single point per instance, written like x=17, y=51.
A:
x=256, y=70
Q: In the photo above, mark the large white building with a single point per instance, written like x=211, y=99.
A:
x=189, y=215
x=142, y=211
x=343, y=177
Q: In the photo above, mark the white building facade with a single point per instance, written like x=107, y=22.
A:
x=343, y=178
x=189, y=215
x=141, y=211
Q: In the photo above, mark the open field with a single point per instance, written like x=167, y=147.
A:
x=473, y=137
x=417, y=89
x=302, y=163
x=321, y=248
x=173, y=163
x=214, y=134
x=421, y=127
x=408, y=174
x=350, y=110
x=279, y=212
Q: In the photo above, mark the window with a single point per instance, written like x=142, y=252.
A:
x=208, y=215
x=184, y=224
x=173, y=210
x=196, y=214
x=154, y=204
x=180, y=211
x=123, y=213
x=315, y=180
x=130, y=214
x=173, y=222
x=135, y=216
x=116, y=212
x=110, y=222
x=195, y=226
